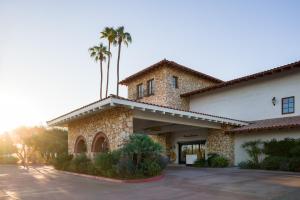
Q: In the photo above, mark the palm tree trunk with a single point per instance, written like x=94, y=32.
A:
x=107, y=74
x=101, y=81
x=118, y=68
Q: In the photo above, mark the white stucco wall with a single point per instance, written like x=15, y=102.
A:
x=185, y=137
x=251, y=100
x=240, y=138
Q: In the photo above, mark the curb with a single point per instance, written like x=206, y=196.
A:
x=101, y=178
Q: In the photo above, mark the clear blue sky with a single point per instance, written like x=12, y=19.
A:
x=45, y=68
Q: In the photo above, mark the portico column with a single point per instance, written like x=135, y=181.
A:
x=221, y=142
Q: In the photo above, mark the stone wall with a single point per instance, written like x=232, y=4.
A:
x=221, y=143
x=116, y=123
x=165, y=94
x=163, y=139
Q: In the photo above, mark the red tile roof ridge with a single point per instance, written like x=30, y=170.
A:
x=267, y=124
x=245, y=78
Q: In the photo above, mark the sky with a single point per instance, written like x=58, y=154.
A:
x=46, y=71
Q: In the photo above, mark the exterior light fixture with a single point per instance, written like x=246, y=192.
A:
x=274, y=101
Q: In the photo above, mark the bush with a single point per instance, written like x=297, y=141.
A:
x=295, y=151
x=106, y=163
x=219, y=161
x=199, y=163
x=294, y=164
x=275, y=163
x=62, y=161
x=151, y=167
x=125, y=168
x=163, y=161
x=211, y=156
x=8, y=160
x=248, y=165
x=81, y=164
x=280, y=148
x=141, y=148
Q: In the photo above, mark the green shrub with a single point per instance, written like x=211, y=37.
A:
x=294, y=164
x=125, y=168
x=280, y=148
x=106, y=163
x=81, y=163
x=62, y=161
x=199, y=163
x=151, y=167
x=295, y=151
x=219, y=161
x=211, y=156
x=163, y=161
x=8, y=160
x=275, y=163
x=248, y=165
x=139, y=149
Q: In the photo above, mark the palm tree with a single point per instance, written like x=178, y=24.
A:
x=110, y=34
x=121, y=37
x=99, y=53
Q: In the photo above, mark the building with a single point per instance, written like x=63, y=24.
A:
x=189, y=112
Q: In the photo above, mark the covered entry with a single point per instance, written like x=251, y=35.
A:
x=181, y=136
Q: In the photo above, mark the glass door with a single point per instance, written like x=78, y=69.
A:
x=194, y=147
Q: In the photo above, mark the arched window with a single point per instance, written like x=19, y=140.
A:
x=100, y=143
x=80, y=145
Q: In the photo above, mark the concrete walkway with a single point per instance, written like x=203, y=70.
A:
x=179, y=183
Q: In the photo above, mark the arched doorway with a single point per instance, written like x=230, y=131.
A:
x=80, y=145
x=100, y=143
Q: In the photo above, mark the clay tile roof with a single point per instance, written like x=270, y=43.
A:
x=269, y=124
x=295, y=65
x=170, y=64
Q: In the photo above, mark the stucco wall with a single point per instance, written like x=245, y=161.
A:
x=165, y=94
x=241, y=138
x=116, y=123
x=252, y=100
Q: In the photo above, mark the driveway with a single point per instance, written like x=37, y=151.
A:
x=180, y=183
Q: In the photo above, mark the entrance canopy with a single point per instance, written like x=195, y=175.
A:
x=147, y=111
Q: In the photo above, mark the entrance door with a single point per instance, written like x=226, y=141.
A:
x=193, y=147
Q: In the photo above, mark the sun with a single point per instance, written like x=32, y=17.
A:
x=16, y=110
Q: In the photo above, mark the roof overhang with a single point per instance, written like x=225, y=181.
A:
x=113, y=101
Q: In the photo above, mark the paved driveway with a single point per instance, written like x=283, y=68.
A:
x=179, y=183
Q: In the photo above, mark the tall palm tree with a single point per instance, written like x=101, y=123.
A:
x=110, y=34
x=99, y=53
x=121, y=37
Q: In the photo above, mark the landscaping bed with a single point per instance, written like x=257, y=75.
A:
x=139, y=158
x=283, y=155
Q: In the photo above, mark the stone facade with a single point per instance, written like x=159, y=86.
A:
x=163, y=139
x=164, y=93
x=116, y=124
x=221, y=143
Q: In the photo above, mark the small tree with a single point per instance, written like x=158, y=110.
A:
x=140, y=147
x=254, y=150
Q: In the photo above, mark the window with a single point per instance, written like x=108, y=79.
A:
x=150, y=87
x=140, y=90
x=288, y=105
x=174, y=81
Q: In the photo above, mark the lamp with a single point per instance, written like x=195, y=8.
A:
x=274, y=101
